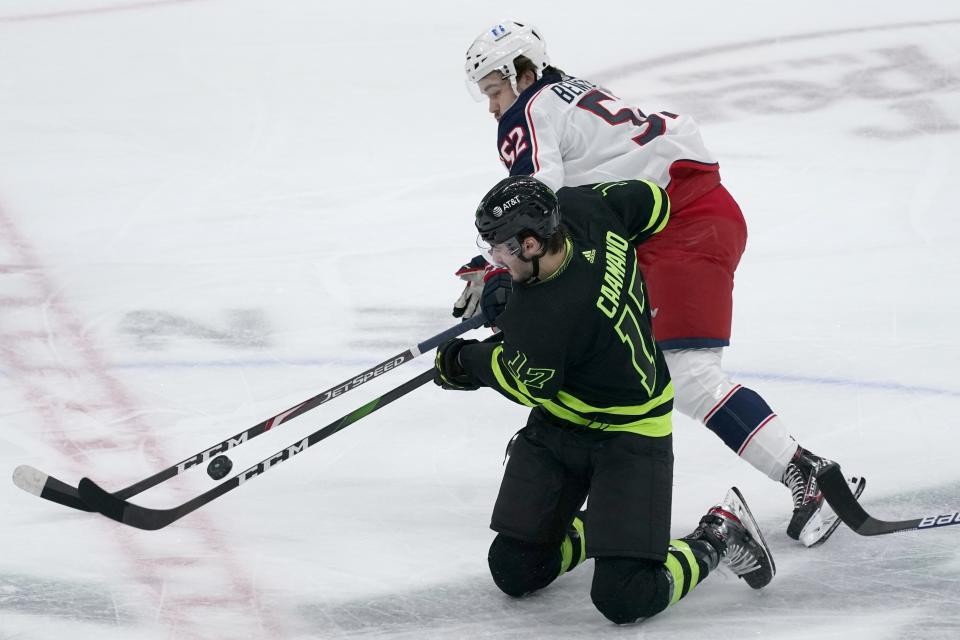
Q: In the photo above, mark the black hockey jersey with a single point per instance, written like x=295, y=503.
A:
x=579, y=344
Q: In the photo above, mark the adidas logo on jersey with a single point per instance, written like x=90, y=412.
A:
x=590, y=255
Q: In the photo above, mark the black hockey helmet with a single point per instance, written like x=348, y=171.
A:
x=516, y=207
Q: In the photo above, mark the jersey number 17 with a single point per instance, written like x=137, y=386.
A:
x=635, y=331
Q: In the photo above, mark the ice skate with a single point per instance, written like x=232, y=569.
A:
x=731, y=529
x=813, y=520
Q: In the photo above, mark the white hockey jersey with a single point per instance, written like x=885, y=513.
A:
x=568, y=132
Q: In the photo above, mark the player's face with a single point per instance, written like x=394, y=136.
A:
x=498, y=91
x=508, y=257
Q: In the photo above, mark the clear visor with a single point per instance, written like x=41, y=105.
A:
x=497, y=253
x=473, y=88
x=506, y=72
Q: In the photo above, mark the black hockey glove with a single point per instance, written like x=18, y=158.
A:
x=447, y=370
x=497, y=287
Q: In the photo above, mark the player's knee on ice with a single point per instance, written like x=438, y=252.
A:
x=626, y=590
x=519, y=567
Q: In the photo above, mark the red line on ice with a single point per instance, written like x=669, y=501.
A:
x=79, y=13
x=122, y=403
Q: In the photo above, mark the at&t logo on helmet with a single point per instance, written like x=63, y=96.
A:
x=498, y=211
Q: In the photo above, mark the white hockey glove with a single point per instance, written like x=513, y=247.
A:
x=468, y=304
x=487, y=290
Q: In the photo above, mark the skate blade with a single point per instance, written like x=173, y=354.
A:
x=820, y=527
x=736, y=501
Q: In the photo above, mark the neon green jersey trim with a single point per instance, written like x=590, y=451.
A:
x=580, y=406
x=656, y=427
x=570, y=408
x=658, y=213
x=603, y=187
x=568, y=255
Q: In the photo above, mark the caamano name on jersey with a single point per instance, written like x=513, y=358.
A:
x=615, y=270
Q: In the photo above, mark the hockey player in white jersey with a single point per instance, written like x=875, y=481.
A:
x=567, y=131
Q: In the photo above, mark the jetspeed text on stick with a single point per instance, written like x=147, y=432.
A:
x=373, y=373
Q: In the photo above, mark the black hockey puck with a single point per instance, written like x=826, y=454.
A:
x=219, y=467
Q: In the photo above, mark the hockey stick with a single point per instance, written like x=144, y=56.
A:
x=38, y=483
x=115, y=507
x=837, y=492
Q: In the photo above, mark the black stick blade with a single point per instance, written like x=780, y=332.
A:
x=133, y=515
x=101, y=500
x=837, y=492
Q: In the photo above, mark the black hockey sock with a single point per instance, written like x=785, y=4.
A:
x=573, y=549
x=688, y=564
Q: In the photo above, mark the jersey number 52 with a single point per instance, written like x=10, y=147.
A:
x=653, y=125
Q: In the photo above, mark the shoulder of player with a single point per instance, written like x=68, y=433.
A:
x=553, y=98
x=587, y=214
x=579, y=200
x=562, y=94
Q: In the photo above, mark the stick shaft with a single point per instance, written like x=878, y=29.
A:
x=117, y=508
x=311, y=403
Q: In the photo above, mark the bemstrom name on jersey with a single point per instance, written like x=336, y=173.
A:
x=570, y=88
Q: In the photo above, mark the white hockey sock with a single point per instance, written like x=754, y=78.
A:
x=738, y=415
x=770, y=449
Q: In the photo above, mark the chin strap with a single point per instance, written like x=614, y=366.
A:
x=535, y=261
x=538, y=74
x=536, y=270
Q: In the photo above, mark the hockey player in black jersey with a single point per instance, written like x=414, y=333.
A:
x=578, y=349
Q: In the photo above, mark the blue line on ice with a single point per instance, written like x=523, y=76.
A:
x=845, y=382
x=358, y=362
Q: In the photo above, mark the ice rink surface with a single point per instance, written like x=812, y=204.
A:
x=211, y=211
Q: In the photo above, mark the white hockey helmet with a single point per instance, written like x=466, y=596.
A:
x=496, y=48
